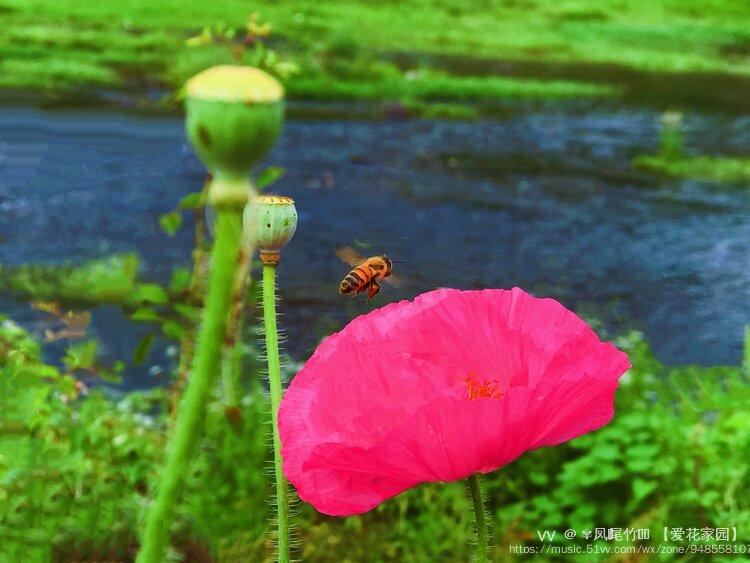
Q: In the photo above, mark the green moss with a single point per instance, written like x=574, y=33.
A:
x=109, y=280
x=718, y=169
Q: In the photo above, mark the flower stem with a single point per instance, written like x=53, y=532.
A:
x=195, y=293
x=231, y=355
x=480, y=514
x=274, y=381
x=192, y=409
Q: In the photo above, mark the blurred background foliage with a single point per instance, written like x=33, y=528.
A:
x=415, y=51
x=75, y=472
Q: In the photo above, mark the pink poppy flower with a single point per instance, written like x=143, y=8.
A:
x=437, y=389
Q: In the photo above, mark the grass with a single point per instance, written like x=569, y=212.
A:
x=715, y=168
x=345, y=49
x=436, y=86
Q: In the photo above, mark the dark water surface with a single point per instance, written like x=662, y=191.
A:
x=542, y=199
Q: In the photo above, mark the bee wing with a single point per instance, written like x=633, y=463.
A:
x=396, y=281
x=350, y=256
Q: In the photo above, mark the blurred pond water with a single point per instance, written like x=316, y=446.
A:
x=543, y=199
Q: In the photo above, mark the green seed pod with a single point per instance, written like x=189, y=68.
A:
x=234, y=116
x=273, y=218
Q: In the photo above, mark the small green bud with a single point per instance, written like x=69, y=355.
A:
x=273, y=219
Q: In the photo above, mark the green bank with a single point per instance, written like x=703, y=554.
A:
x=413, y=51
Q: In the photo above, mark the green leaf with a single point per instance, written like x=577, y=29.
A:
x=193, y=200
x=150, y=293
x=145, y=315
x=539, y=478
x=171, y=222
x=180, y=279
x=268, y=176
x=81, y=356
x=643, y=451
x=143, y=348
x=639, y=465
x=174, y=330
x=187, y=311
x=642, y=488
x=111, y=375
x=607, y=452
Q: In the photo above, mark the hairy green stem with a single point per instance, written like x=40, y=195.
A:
x=480, y=515
x=192, y=409
x=274, y=381
x=195, y=295
x=231, y=353
x=229, y=383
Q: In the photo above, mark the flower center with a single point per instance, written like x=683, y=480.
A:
x=476, y=388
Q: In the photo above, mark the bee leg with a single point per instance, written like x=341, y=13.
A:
x=373, y=290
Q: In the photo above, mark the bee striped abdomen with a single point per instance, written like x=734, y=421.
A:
x=354, y=281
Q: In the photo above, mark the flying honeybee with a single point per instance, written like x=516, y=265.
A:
x=367, y=273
